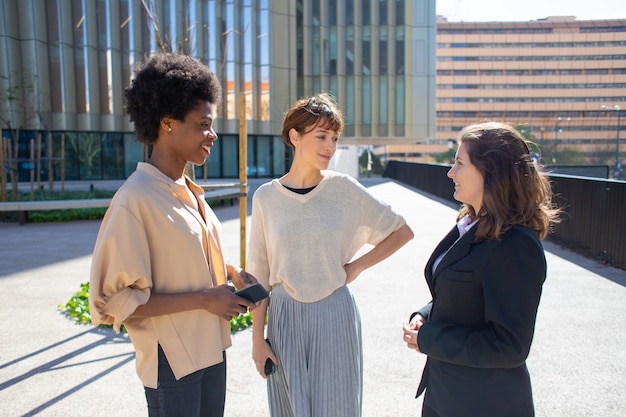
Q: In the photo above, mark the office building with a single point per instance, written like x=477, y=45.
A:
x=68, y=62
x=561, y=79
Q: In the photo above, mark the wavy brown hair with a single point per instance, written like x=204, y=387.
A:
x=310, y=112
x=516, y=190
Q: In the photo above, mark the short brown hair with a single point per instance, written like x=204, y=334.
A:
x=516, y=190
x=309, y=112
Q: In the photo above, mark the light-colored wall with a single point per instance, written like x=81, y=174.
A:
x=346, y=160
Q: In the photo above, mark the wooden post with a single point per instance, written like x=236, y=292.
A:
x=243, y=178
x=32, y=169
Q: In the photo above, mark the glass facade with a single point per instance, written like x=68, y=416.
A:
x=83, y=54
x=356, y=50
x=72, y=60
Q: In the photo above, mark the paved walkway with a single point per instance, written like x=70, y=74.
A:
x=52, y=367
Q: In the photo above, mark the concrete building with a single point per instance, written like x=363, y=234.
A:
x=561, y=79
x=64, y=65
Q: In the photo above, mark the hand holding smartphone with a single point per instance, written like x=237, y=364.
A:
x=254, y=293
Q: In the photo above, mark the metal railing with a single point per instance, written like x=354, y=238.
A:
x=594, y=210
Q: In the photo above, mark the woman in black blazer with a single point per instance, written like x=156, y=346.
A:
x=485, y=278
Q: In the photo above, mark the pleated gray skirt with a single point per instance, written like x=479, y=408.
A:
x=319, y=349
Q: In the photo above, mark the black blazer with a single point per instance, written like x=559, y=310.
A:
x=480, y=324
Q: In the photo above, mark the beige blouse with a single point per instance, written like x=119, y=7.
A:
x=153, y=238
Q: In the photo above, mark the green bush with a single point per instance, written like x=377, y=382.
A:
x=45, y=216
x=77, y=309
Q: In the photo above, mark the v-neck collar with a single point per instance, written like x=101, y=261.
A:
x=184, y=190
x=301, y=197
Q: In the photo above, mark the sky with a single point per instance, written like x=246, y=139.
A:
x=525, y=10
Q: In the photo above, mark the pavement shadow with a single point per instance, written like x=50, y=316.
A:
x=105, y=336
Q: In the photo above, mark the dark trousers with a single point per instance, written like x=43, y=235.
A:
x=201, y=394
x=428, y=412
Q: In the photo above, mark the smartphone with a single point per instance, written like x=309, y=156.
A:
x=269, y=367
x=254, y=293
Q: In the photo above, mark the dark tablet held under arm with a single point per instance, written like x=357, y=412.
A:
x=254, y=293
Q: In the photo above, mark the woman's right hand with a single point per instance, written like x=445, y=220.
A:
x=410, y=331
x=261, y=351
x=223, y=302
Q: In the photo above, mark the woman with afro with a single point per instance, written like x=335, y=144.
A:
x=158, y=267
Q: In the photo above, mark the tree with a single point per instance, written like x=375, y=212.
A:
x=164, y=42
x=19, y=111
x=182, y=46
x=442, y=157
x=369, y=163
x=87, y=147
x=570, y=156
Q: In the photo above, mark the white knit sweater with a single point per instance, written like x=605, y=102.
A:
x=303, y=241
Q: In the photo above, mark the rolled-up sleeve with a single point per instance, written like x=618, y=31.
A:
x=120, y=278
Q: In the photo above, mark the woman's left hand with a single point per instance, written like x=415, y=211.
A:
x=239, y=277
x=352, y=271
x=381, y=251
